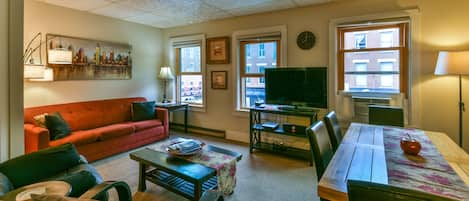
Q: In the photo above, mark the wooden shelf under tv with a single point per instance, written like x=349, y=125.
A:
x=256, y=130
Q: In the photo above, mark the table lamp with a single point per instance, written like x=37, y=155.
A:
x=454, y=63
x=165, y=75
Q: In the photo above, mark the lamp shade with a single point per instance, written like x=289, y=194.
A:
x=165, y=73
x=452, y=63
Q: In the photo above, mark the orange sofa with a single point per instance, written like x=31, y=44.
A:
x=99, y=128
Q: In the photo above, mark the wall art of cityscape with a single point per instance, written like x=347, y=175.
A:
x=90, y=60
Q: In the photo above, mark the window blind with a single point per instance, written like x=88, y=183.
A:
x=386, y=21
x=260, y=37
x=189, y=43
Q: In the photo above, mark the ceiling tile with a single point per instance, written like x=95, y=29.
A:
x=79, y=4
x=117, y=10
x=272, y=6
x=170, y=13
x=231, y=4
x=147, y=18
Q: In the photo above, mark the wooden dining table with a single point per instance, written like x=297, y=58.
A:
x=369, y=153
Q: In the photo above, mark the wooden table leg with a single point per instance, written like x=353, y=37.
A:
x=197, y=191
x=141, y=178
x=185, y=119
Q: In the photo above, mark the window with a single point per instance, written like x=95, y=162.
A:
x=248, y=50
x=385, y=47
x=361, y=80
x=248, y=67
x=360, y=40
x=386, y=80
x=252, y=80
x=386, y=38
x=261, y=49
x=189, y=69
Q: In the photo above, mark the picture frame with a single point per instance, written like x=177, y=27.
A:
x=218, y=50
x=219, y=80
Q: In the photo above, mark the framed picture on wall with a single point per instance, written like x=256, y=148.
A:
x=218, y=50
x=219, y=80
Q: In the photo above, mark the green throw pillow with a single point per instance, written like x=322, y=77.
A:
x=143, y=111
x=57, y=126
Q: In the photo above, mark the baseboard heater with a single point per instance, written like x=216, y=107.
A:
x=198, y=130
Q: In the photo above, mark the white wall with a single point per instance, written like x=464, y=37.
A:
x=4, y=80
x=220, y=111
x=146, y=55
x=442, y=27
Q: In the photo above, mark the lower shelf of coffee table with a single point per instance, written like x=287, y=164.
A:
x=177, y=184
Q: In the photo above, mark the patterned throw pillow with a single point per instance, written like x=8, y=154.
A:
x=40, y=120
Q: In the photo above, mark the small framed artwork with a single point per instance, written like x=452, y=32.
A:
x=218, y=50
x=219, y=80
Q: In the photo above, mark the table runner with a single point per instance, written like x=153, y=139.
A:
x=428, y=171
x=224, y=164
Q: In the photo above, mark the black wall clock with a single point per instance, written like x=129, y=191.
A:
x=306, y=40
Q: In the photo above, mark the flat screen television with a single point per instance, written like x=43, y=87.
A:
x=304, y=87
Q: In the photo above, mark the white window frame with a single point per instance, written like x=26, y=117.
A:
x=173, y=63
x=236, y=36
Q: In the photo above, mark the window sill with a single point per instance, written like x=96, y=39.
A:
x=370, y=94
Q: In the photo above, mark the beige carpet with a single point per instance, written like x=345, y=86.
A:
x=260, y=176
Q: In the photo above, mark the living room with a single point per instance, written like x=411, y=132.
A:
x=429, y=102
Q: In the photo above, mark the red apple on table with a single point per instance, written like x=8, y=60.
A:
x=410, y=145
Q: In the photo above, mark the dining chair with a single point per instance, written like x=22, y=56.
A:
x=385, y=115
x=333, y=129
x=321, y=147
x=368, y=191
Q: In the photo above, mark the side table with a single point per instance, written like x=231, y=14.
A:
x=48, y=187
x=175, y=107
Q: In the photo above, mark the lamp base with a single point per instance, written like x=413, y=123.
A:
x=165, y=101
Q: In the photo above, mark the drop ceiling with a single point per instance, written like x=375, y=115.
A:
x=172, y=13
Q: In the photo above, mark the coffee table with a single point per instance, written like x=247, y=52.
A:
x=176, y=174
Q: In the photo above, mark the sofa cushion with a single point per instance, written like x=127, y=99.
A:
x=113, y=131
x=143, y=111
x=143, y=125
x=89, y=114
x=36, y=166
x=57, y=126
x=77, y=138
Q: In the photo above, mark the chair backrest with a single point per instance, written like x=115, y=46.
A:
x=333, y=129
x=321, y=147
x=367, y=191
x=385, y=115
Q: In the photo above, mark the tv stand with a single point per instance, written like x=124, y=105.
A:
x=256, y=130
x=297, y=109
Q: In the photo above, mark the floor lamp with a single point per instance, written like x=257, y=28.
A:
x=165, y=75
x=454, y=63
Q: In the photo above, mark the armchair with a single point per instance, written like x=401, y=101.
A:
x=55, y=163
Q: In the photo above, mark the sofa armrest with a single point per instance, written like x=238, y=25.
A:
x=163, y=115
x=35, y=138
